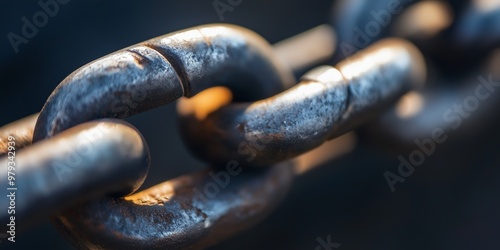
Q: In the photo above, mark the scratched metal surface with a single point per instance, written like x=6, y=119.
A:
x=450, y=202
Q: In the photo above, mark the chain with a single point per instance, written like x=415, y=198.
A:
x=328, y=102
x=161, y=70
x=55, y=175
x=250, y=143
x=342, y=95
x=459, y=50
x=171, y=220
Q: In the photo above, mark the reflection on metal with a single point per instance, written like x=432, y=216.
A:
x=307, y=49
x=327, y=103
x=205, y=102
x=409, y=105
x=21, y=129
x=136, y=79
x=192, y=211
x=487, y=5
x=424, y=19
x=200, y=209
x=81, y=163
x=161, y=70
x=478, y=24
x=350, y=18
x=142, y=77
x=327, y=152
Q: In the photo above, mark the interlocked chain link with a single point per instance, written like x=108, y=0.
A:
x=96, y=207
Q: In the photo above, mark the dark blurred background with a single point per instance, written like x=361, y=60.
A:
x=452, y=201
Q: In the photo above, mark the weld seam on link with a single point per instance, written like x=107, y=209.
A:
x=176, y=64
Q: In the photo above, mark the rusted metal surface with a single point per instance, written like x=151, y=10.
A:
x=327, y=103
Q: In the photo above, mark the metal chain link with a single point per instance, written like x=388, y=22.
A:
x=183, y=213
x=168, y=219
x=328, y=102
x=81, y=163
x=460, y=50
x=161, y=70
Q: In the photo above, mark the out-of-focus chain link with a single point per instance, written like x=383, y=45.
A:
x=85, y=164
